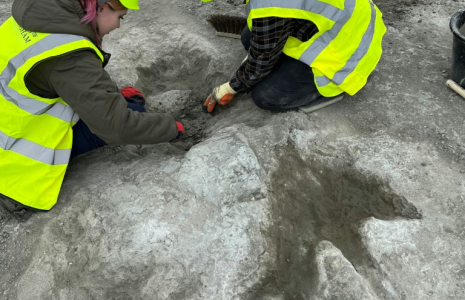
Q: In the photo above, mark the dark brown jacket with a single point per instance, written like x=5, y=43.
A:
x=80, y=80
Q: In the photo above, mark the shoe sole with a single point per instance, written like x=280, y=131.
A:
x=321, y=105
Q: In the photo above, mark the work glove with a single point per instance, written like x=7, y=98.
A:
x=180, y=133
x=222, y=94
x=132, y=92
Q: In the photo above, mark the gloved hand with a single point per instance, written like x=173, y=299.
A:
x=222, y=94
x=180, y=133
x=132, y=92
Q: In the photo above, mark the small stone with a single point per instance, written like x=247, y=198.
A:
x=423, y=164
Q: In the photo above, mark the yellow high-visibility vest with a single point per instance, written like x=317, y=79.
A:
x=35, y=133
x=346, y=48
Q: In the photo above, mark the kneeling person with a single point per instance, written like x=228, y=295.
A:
x=304, y=54
x=57, y=101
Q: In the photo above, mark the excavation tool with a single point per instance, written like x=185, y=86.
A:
x=228, y=26
x=455, y=87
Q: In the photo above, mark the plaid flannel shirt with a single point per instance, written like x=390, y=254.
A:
x=269, y=35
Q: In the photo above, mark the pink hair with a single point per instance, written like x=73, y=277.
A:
x=90, y=7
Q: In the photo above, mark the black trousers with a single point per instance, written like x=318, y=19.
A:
x=84, y=140
x=289, y=85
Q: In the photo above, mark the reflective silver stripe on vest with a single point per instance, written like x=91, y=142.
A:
x=322, y=81
x=315, y=49
x=34, y=151
x=326, y=10
x=75, y=118
x=31, y=105
x=353, y=61
x=338, y=16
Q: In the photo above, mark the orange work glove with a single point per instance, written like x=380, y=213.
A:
x=222, y=94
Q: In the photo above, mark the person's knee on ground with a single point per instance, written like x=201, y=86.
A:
x=85, y=141
x=264, y=99
x=259, y=102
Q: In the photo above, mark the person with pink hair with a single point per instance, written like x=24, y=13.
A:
x=57, y=101
x=104, y=20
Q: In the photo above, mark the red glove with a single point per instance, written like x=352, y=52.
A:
x=132, y=92
x=180, y=133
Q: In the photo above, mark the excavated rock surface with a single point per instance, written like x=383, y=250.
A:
x=364, y=199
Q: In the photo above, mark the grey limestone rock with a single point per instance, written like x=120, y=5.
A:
x=337, y=278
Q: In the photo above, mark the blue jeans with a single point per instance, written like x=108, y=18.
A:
x=84, y=140
x=289, y=85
